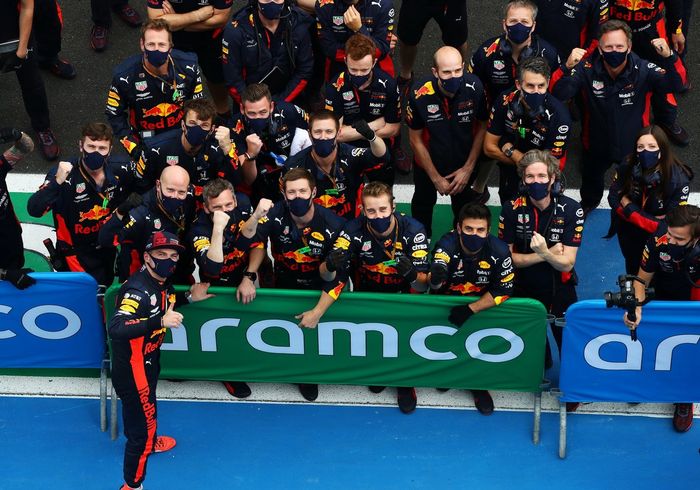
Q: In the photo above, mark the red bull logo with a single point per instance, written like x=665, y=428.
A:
x=464, y=288
x=161, y=110
x=340, y=81
x=298, y=257
x=493, y=48
x=234, y=256
x=381, y=268
x=425, y=89
x=321, y=3
x=94, y=214
x=239, y=127
x=328, y=201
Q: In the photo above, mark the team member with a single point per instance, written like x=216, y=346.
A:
x=364, y=91
x=170, y=207
x=648, y=21
x=543, y=230
x=616, y=86
x=388, y=252
x=523, y=119
x=671, y=264
x=268, y=42
x=11, y=245
x=81, y=193
x=337, y=167
x=301, y=234
x=448, y=110
x=221, y=238
x=496, y=60
x=470, y=261
x=451, y=17
x=568, y=25
x=145, y=310
x=193, y=148
x=47, y=30
x=647, y=185
x=149, y=89
x=338, y=20
x=102, y=20
x=266, y=133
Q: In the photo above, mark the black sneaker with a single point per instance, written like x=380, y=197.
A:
x=483, y=401
x=676, y=133
x=571, y=407
x=443, y=390
x=683, y=417
x=239, y=389
x=59, y=67
x=48, y=144
x=309, y=392
x=406, y=399
x=376, y=389
x=402, y=162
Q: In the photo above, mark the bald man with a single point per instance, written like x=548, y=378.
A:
x=169, y=206
x=446, y=116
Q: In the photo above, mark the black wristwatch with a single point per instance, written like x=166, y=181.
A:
x=509, y=151
x=253, y=276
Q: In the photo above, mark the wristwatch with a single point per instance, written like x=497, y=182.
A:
x=509, y=151
x=188, y=296
x=253, y=276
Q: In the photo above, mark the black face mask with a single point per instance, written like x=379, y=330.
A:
x=380, y=225
x=614, y=58
x=472, y=243
x=172, y=205
x=299, y=206
x=677, y=252
x=258, y=126
x=165, y=268
x=93, y=160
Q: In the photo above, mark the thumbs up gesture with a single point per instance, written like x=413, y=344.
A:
x=171, y=318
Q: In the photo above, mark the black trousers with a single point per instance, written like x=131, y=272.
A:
x=34, y=93
x=136, y=387
x=101, y=14
x=11, y=246
x=632, y=241
x=425, y=198
x=508, y=181
x=47, y=27
x=593, y=168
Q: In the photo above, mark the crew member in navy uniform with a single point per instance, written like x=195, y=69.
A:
x=144, y=311
x=446, y=116
x=526, y=118
x=82, y=193
x=148, y=89
x=543, y=230
x=382, y=251
x=469, y=261
x=671, y=265
x=338, y=167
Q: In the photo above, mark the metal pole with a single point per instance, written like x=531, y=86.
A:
x=562, y=430
x=538, y=416
x=103, y=397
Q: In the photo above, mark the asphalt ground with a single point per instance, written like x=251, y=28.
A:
x=73, y=103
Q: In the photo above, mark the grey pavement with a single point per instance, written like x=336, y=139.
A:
x=73, y=103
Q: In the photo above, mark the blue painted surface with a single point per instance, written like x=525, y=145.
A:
x=55, y=443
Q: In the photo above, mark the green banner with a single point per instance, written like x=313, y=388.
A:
x=364, y=339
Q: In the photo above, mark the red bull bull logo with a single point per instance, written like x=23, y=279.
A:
x=381, y=268
x=340, y=81
x=464, y=288
x=328, y=201
x=161, y=110
x=239, y=127
x=492, y=49
x=94, y=214
x=425, y=89
x=321, y=3
x=234, y=256
x=298, y=257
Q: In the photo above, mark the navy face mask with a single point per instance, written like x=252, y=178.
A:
x=258, y=126
x=380, y=225
x=538, y=190
x=157, y=58
x=359, y=80
x=648, y=159
x=271, y=10
x=323, y=148
x=518, y=33
x=172, y=205
x=473, y=243
x=195, y=135
x=614, y=58
x=534, y=100
x=299, y=206
x=164, y=267
x=93, y=160
x=677, y=252
x=451, y=85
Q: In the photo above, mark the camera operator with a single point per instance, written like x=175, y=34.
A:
x=11, y=246
x=671, y=263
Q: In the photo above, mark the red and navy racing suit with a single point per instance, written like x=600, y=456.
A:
x=490, y=270
x=11, y=246
x=133, y=233
x=571, y=24
x=298, y=253
x=651, y=200
x=561, y=222
x=136, y=334
x=672, y=281
x=371, y=261
x=448, y=127
x=80, y=209
x=236, y=247
x=546, y=129
x=615, y=110
x=380, y=98
x=338, y=190
x=141, y=105
x=377, y=24
x=250, y=52
x=208, y=163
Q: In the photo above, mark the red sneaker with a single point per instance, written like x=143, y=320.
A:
x=98, y=38
x=683, y=417
x=164, y=444
x=128, y=15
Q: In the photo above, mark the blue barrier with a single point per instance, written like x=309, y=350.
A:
x=56, y=323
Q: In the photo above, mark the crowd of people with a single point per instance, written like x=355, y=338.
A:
x=283, y=176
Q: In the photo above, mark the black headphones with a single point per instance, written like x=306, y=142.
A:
x=528, y=51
